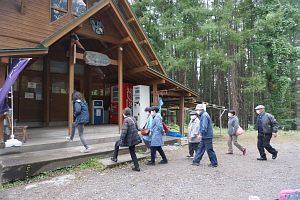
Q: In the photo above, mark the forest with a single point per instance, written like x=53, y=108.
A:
x=234, y=53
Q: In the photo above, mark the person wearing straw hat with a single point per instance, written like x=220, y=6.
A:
x=267, y=126
x=206, y=144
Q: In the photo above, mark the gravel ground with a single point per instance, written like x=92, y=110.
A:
x=237, y=177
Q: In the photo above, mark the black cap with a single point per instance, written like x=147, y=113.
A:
x=155, y=108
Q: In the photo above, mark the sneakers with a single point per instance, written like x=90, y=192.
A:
x=68, y=138
x=86, y=150
x=163, y=162
x=213, y=166
x=114, y=159
x=274, y=156
x=262, y=158
x=195, y=163
x=244, y=151
x=150, y=163
x=189, y=156
x=136, y=169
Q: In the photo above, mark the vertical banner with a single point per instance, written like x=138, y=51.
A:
x=16, y=67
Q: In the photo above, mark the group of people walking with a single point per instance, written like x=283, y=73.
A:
x=200, y=136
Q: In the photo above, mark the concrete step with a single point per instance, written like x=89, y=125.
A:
x=122, y=159
x=58, y=144
x=26, y=164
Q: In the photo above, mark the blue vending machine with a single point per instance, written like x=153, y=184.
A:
x=98, y=112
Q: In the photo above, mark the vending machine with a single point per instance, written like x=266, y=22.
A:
x=141, y=99
x=127, y=100
x=98, y=112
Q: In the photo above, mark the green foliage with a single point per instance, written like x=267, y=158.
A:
x=224, y=49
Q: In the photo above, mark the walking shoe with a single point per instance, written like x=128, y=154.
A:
x=86, y=150
x=189, y=156
x=136, y=169
x=195, y=163
x=211, y=165
x=244, y=151
x=261, y=158
x=114, y=159
x=163, y=162
x=274, y=156
x=68, y=138
x=150, y=163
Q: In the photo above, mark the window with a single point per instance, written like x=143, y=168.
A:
x=79, y=7
x=58, y=67
x=58, y=9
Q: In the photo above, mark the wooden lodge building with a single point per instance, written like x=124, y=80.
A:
x=57, y=34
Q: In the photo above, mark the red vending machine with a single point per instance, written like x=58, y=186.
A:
x=127, y=100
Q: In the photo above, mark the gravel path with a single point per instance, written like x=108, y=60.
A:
x=237, y=177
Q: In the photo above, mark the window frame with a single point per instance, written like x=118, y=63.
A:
x=61, y=10
x=75, y=14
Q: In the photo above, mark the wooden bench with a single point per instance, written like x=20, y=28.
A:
x=18, y=130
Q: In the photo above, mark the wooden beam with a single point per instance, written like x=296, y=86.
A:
x=120, y=86
x=137, y=70
x=159, y=81
x=154, y=94
x=4, y=60
x=130, y=20
x=46, y=88
x=153, y=63
x=125, y=40
x=2, y=79
x=71, y=84
x=23, y=53
x=105, y=38
x=143, y=42
x=168, y=93
x=181, y=111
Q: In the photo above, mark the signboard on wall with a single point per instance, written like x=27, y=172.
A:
x=96, y=59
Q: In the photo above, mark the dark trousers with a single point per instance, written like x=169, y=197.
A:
x=147, y=143
x=193, y=148
x=131, y=151
x=206, y=145
x=160, y=151
x=263, y=142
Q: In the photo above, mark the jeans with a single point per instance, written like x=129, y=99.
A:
x=131, y=151
x=193, y=148
x=160, y=151
x=263, y=142
x=235, y=142
x=206, y=145
x=80, y=131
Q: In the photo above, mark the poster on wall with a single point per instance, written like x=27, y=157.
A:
x=29, y=95
x=38, y=97
x=31, y=85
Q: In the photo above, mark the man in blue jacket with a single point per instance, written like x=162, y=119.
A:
x=206, y=132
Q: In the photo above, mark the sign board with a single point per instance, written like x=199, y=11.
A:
x=96, y=59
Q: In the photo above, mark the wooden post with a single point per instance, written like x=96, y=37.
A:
x=72, y=59
x=181, y=113
x=120, y=86
x=46, y=88
x=154, y=93
x=2, y=79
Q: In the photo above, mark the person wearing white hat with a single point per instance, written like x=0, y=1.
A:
x=194, y=134
x=266, y=127
x=206, y=132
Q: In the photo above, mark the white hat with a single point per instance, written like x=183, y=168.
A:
x=201, y=106
x=259, y=107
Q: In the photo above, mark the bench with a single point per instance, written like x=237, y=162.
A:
x=20, y=131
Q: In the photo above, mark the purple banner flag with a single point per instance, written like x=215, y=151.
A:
x=16, y=68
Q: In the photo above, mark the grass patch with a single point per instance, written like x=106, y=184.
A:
x=92, y=163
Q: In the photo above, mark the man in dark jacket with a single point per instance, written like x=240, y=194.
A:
x=266, y=126
x=206, y=131
x=129, y=138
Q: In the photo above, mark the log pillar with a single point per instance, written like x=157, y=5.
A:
x=120, y=87
x=2, y=80
x=181, y=114
x=72, y=60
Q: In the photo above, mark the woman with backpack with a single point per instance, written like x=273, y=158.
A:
x=81, y=114
x=129, y=138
